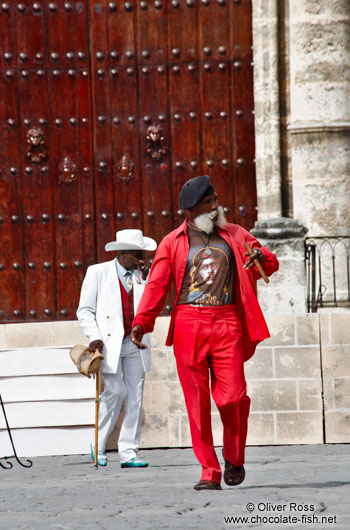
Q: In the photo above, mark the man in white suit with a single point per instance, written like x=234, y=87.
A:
x=109, y=298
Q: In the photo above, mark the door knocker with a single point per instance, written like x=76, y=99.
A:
x=67, y=170
x=156, y=146
x=36, y=147
x=125, y=168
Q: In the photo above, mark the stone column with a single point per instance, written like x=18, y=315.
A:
x=267, y=119
x=320, y=114
x=286, y=292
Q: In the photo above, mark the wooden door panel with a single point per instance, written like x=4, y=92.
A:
x=241, y=27
x=120, y=43
x=67, y=196
x=86, y=172
x=185, y=103
x=185, y=118
x=243, y=113
x=157, y=217
x=213, y=30
x=8, y=48
x=31, y=52
x=216, y=134
x=72, y=170
x=37, y=195
x=67, y=30
x=152, y=31
x=11, y=213
x=125, y=148
x=243, y=105
x=182, y=32
x=101, y=98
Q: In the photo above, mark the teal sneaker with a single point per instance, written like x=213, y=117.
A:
x=134, y=462
x=101, y=456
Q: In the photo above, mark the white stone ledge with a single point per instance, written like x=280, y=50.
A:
x=336, y=409
x=274, y=378
x=309, y=127
x=330, y=19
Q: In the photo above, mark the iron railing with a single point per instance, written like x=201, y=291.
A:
x=327, y=261
x=7, y=464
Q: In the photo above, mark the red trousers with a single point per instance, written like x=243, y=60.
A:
x=208, y=340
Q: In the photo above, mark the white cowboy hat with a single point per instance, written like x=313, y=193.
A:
x=131, y=239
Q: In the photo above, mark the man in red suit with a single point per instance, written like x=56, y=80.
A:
x=215, y=325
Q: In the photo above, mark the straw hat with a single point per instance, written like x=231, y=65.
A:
x=86, y=361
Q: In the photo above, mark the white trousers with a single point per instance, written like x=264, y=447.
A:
x=126, y=384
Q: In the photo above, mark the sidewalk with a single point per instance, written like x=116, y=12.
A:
x=282, y=482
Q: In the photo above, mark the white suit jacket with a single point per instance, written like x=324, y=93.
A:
x=100, y=312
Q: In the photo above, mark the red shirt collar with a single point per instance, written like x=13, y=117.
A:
x=181, y=229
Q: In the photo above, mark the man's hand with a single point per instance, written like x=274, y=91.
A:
x=96, y=345
x=136, y=337
x=257, y=253
x=143, y=265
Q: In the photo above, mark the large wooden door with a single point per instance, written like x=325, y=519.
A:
x=126, y=101
x=46, y=199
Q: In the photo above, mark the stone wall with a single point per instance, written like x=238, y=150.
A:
x=284, y=383
x=286, y=378
x=320, y=114
x=302, y=128
x=284, y=107
x=285, y=294
x=266, y=100
x=335, y=355
x=50, y=406
x=302, y=112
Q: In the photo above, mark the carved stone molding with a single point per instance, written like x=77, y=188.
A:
x=309, y=127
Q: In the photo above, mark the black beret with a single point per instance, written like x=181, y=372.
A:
x=194, y=190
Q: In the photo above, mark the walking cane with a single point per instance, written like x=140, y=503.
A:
x=97, y=402
x=256, y=262
x=88, y=363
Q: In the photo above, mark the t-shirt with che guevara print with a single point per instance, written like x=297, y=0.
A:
x=209, y=278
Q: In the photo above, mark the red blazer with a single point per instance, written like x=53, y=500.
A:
x=170, y=263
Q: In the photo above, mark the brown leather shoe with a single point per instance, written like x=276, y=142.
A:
x=233, y=475
x=207, y=485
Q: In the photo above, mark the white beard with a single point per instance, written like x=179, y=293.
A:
x=208, y=221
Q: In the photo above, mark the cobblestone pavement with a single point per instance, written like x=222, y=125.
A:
x=68, y=493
